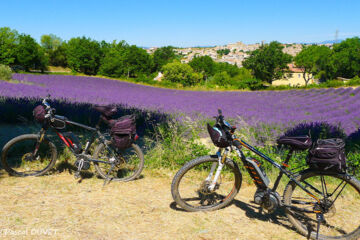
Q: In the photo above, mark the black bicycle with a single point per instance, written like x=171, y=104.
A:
x=322, y=203
x=116, y=157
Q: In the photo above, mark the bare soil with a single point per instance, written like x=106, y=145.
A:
x=57, y=206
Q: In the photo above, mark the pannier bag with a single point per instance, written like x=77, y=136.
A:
x=123, y=132
x=218, y=136
x=297, y=142
x=328, y=154
x=39, y=113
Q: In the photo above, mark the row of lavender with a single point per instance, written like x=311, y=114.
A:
x=280, y=108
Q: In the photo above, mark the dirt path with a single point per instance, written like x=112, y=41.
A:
x=57, y=207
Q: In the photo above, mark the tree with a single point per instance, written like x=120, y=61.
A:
x=50, y=41
x=83, y=55
x=312, y=60
x=177, y=72
x=232, y=70
x=204, y=65
x=268, y=62
x=57, y=57
x=8, y=40
x=54, y=49
x=162, y=56
x=345, y=59
x=124, y=60
x=29, y=54
x=222, y=52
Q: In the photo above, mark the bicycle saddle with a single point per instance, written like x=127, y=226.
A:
x=108, y=110
x=296, y=143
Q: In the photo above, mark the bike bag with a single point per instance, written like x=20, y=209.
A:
x=218, y=136
x=296, y=143
x=39, y=113
x=123, y=131
x=328, y=154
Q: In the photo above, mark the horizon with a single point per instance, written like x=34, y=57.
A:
x=186, y=24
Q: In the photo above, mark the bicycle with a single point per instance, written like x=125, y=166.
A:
x=316, y=201
x=35, y=154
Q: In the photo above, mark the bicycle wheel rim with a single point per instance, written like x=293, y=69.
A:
x=346, y=194
x=128, y=163
x=193, y=187
x=20, y=161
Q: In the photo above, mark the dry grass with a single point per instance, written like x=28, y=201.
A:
x=140, y=209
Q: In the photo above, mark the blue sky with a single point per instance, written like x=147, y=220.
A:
x=185, y=23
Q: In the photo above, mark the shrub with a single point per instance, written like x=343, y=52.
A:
x=221, y=79
x=177, y=72
x=5, y=72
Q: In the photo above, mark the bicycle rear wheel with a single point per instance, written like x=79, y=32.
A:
x=190, y=186
x=124, y=165
x=339, y=196
x=18, y=158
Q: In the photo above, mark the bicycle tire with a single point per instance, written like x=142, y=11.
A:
x=9, y=146
x=309, y=231
x=136, y=174
x=193, y=164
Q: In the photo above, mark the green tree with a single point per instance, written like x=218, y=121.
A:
x=8, y=39
x=268, y=62
x=57, y=57
x=312, y=60
x=123, y=60
x=221, y=79
x=50, y=41
x=345, y=59
x=162, y=56
x=204, y=65
x=232, y=70
x=137, y=61
x=112, y=64
x=55, y=49
x=29, y=54
x=83, y=55
x=181, y=73
x=222, y=52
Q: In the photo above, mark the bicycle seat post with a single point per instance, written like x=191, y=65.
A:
x=284, y=165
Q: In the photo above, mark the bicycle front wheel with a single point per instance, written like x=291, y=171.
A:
x=18, y=157
x=339, y=196
x=192, y=187
x=124, y=165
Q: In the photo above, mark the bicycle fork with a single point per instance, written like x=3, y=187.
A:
x=221, y=162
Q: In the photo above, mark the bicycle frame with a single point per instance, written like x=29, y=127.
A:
x=95, y=132
x=282, y=169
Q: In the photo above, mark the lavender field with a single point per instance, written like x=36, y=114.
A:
x=273, y=108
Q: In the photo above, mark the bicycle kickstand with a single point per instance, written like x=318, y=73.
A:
x=320, y=219
x=107, y=175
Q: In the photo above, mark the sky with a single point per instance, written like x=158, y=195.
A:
x=185, y=23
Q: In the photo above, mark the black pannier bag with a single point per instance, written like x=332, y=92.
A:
x=328, y=154
x=297, y=142
x=123, y=132
x=218, y=136
x=39, y=113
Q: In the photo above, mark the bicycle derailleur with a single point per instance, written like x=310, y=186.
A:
x=267, y=199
